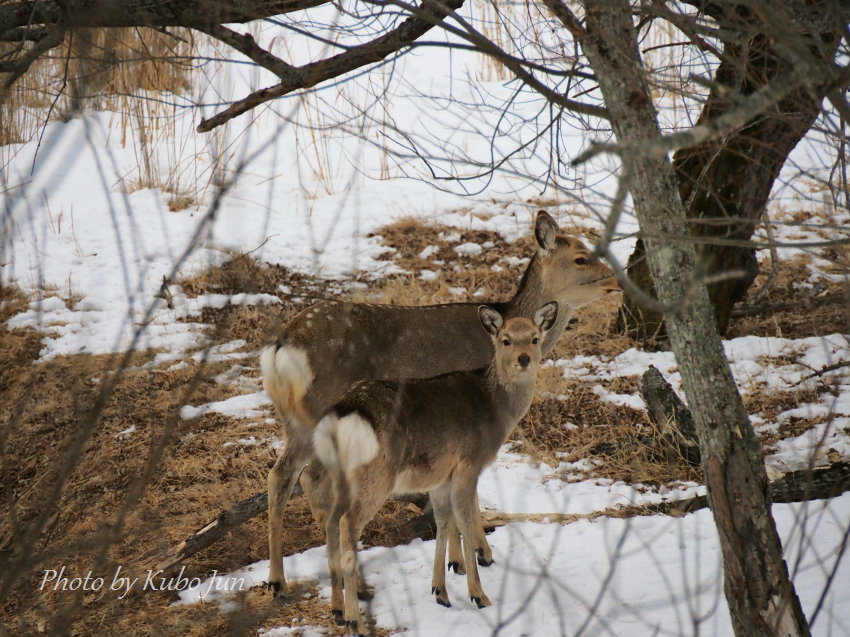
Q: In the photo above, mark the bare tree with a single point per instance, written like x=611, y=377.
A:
x=725, y=181
x=774, y=65
x=761, y=598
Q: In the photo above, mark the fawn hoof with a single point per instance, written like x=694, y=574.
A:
x=278, y=589
x=365, y=595
x=481, y=602
x=483, y=560
x=338, y=620
x=442, y=597
x=457, y=568
x=352, y=627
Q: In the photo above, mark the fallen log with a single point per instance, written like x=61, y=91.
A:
x=671, y=416
x=797, y=486
x=211, y=532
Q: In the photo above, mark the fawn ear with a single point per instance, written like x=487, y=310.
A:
x=545, y=231
x=544, y=318
x=490, y=319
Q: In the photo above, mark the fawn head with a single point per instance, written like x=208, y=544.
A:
x=518, y=341
x=567, y=267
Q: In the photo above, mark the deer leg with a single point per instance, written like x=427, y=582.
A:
x=455, y=550
x=341, y=502
x=467, y=516
x=442, y=503
x=319, y=490
x=350, y=527
x=479, y=540
x=281, y=480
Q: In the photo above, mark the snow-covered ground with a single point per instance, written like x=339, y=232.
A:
x=94, y=257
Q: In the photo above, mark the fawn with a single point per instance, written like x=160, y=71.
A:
x=433, y=435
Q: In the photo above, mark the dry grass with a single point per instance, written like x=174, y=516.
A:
x=47, y=404
x=791, y=310
x=569, y=422
x=474, y=274
x=105, y=69
x=256, y=324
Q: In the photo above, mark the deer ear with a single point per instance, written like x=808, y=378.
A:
x=545, y=231
x=490, y=319
x=544, y=318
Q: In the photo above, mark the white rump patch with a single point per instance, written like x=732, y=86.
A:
x=323, y=441
x=287, y=374
x=345, y=443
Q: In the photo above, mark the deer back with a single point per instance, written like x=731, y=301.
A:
x=344, y=342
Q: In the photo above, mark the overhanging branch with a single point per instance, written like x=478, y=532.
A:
x=428, y=15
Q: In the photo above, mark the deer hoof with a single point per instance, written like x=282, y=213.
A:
x=442, y=597
x=338, y=620
x=483, y=560
x=480, y=602
x=457, y=568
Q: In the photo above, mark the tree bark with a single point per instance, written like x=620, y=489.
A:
x=760, y=596
x=725, y=183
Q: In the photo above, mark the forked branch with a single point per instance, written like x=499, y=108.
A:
x=430, y=13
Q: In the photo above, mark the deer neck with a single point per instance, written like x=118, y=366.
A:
x=533, y=293
x=511, y=397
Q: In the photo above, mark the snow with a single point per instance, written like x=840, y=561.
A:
x=95, y=259
x=640, y=576
x=468, y=249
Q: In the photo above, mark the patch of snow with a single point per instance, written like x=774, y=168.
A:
x=468, y=249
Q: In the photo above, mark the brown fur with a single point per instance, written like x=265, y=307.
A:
x=433, y=435
x=348, y=342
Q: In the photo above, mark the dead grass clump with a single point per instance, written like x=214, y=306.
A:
x=592, y=331
x=768, y=402
x=245, y=275
x=178, y=202
x=433, y=273
x=47, y=405
x=570, y=422
x=19, y=347
x=104, y=69
x=790, y=310
x=256, y=324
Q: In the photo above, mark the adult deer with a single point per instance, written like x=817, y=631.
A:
x=433, y=435
x=329, y=346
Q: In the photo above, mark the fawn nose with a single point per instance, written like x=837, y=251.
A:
x=524, y=359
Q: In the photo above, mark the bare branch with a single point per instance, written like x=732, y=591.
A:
x=143, y=13
x=749, y=108
x=246, y=45
x=24, y=34
x=428, y=14
x=17, y=67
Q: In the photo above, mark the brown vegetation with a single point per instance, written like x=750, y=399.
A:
x=45, y=405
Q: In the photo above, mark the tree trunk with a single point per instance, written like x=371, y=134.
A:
x=725, y=183
x=761, y=598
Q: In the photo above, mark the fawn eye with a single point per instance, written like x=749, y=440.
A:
x=580, y=260
x=505, y=342
x=535, y=341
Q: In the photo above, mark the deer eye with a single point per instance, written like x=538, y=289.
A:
x=535, y=341
x=505, y=342
x=580, y=260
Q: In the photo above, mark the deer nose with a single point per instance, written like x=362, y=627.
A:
x=524, y=359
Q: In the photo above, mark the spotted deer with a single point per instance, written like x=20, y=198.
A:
x=433, y=435
x=330, y=346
